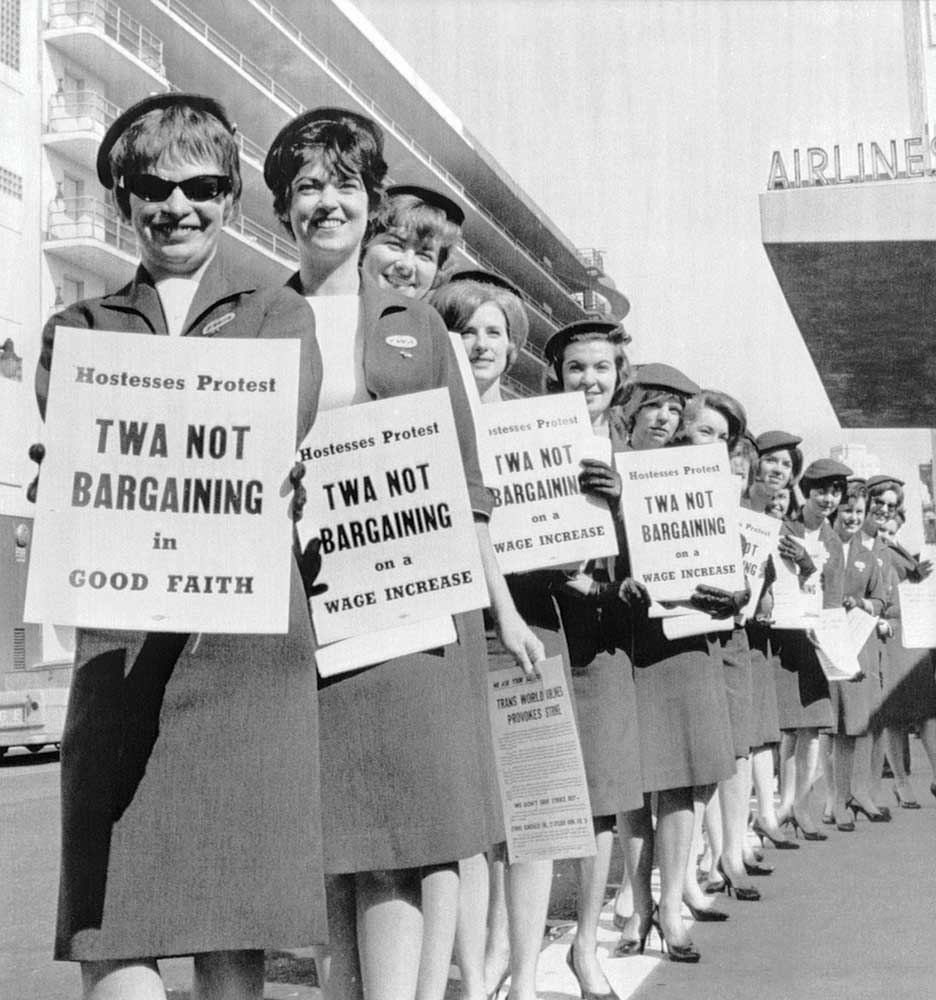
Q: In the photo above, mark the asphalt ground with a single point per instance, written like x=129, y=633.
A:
x=853, y=917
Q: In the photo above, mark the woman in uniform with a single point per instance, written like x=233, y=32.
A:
x=685, y=735
x=403, y=788
x=803, y=698
x=182, y=829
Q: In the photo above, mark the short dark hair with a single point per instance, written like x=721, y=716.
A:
x=553, y=377
x=349, y=145
x=178, y=132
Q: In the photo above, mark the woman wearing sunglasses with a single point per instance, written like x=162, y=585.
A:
x=182, y=833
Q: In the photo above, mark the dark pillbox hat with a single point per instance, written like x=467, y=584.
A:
x=453, y=211
x=882, y=480
x=660, y=376
x=197, y=101
x=486, y=278
x=827, y=468
x=558, y=341
x=272, y=165
x=774, y=440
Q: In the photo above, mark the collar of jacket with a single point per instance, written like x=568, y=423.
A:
x=141, y=297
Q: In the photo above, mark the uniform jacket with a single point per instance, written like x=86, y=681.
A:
x=220, y=308
x=406, y=350
x=864, y=574
x=833, y=573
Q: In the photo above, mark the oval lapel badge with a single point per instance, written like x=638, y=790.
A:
x=401, y=340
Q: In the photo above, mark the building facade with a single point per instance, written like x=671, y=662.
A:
x=69, y=67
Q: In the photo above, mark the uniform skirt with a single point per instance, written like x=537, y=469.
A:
x=736, y=664
x=909, y=690
x=685, y=729
x=405, y=767
x=765, y=722
x=190, y=794
x=605, y=703
x=803, y=700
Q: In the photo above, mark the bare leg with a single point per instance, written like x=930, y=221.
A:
x=734, y=794
x=874, y=765
x=827, y=759
x=390, y=927
x=497, y=957
x=787, y=776
x=692, y=893
x=528, y=887
x=132, y=979
x=843, y=755
x=807, y=761
x=442, y=901
x=894, y=746
x=862, y=784
x=636, y=828
x=228, y=975
x=674, y=840
x=593, y=877
x=339, y=970
x=707, y=815
x=928, y=739
x=624, y=897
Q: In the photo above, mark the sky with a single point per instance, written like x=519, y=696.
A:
x=645, y=128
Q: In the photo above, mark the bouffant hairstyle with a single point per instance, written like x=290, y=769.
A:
x=418, y=222
x=617, y=339
x=174, y=134
x=347, y=144
x=457, y=301
x=854, y=491
x=881, y=488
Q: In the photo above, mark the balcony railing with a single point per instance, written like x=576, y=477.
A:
x=86, y=217
x=200, y=27
x=70, y=110
x=114, y=22
x=281, y=246
x=267, y=81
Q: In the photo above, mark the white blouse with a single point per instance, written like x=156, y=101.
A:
x=342, y=346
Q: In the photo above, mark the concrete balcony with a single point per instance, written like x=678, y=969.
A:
x=76, y=123
x=106, y=39
x=90, y=234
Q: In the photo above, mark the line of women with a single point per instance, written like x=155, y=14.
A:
x=218, y=799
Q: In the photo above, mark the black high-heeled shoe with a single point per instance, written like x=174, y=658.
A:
x=781, y=843
x=676, y=952
x=746, y=893
x=587, y=994
x=859, y=810
x=627, y=946
x=758, y=869
x=813, y=835
x=706, y=915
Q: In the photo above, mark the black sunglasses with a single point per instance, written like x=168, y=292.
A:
x=204, y=187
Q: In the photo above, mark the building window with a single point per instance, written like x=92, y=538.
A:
x=11, y=184
x=10, y=33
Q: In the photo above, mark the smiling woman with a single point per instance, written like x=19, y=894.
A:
x=159, y=803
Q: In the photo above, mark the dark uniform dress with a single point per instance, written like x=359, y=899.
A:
x=682, y=708
x=598, y=637
x=854, y=701
x=405, y=769
x=908, y=688
x=190, y=767
x=803, y=699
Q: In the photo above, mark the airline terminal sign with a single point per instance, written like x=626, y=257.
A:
x=816, y=166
